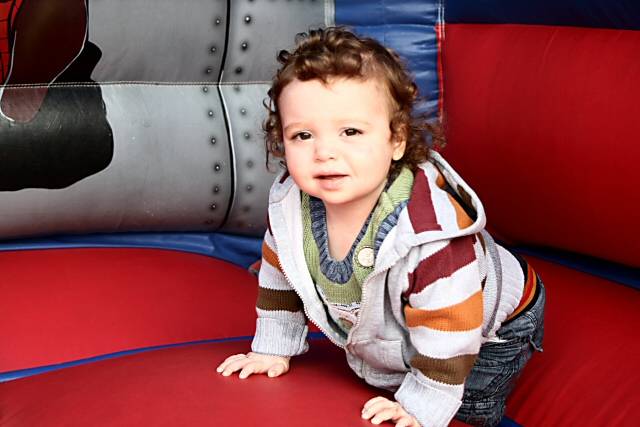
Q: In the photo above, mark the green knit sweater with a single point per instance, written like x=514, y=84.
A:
x=342, y=292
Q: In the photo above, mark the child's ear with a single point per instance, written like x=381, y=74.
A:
x=399, y=141
x=399, y=146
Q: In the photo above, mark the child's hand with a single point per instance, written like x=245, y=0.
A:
x=382, y=409
x=253, y=363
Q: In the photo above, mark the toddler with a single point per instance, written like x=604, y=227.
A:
x=377, y=241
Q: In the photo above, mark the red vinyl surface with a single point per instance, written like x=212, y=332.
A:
x=542, y=122
x=588, y=372
x=180, y=387
x=60, y=305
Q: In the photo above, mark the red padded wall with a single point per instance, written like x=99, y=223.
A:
x=68, y=304
x=543, y=122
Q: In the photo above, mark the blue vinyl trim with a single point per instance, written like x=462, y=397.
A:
x=620, y=14
x=23, y=373
x=608, y=270
x=408, y=27
x=240, y=250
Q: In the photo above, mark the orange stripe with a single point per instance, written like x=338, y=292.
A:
x=440, y=182
x=527, y=293
x=270, y=256
x=464, y=316
x=461, y=216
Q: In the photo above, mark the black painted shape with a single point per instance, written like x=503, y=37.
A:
x=68, y=140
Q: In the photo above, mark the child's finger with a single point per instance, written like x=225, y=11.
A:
x=385, y=414
x=372, y=401
x=276, y=370
x=406, y=421
x=250, y=368
x=229, y=360
x=376, y=407
x=235, y=366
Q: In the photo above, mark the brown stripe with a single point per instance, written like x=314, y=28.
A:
x=271, y=300
x=457, y=254
x=270, y=256
x=464, y=316
x=449, y=371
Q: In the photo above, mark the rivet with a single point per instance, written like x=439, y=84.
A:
x=216, y=189
x=218, y=21
x=247, y=19
x=208, y=70
x=205, y=89
x=217, y=167
x=213, y=49
x=243, y=111
x=238, y=70
x=247, y=135
x=249, y=187
x=210, y=113
x=250, y=164
x=236, y=88
x=244, y=45
x=213, y=206
x=213, y=141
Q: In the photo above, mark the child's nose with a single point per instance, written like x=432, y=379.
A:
x=325, y=149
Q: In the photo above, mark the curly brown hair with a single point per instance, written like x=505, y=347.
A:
x=333, y=52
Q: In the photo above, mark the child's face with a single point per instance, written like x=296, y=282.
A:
x=338, y=145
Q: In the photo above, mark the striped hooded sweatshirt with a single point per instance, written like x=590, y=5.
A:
x=439, y=289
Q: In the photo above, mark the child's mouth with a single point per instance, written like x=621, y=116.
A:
x=330, y=182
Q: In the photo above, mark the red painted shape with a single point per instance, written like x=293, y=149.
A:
x=542, y=122
x=8, y=12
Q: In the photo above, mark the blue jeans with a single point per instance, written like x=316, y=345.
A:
x=499, y=364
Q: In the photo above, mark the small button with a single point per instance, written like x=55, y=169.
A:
x=366, y=257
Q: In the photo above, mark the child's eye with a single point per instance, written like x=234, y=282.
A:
x=352, y=132
x=302, y=136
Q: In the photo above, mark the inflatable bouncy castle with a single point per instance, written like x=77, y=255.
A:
x=134, y=182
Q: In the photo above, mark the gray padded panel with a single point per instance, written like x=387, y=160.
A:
x=162, y=175
x=243, y=103
x=158, y=40
x=265, y=27
x=181, y=159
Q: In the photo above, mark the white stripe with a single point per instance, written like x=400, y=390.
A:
x=445, y=212
x=448, y=291
x=271, y=278
x=456, y=390
x=443, y=345
x=287, y=316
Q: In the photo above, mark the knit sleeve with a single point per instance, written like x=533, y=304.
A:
x=281, y=327
x=444, y=315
